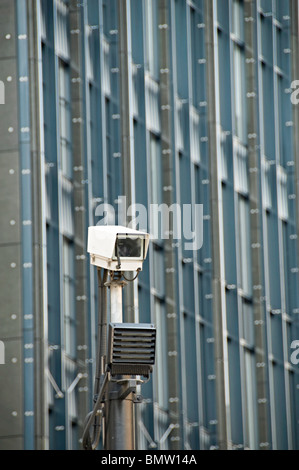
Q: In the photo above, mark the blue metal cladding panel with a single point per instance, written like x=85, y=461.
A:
x=225, y=83
x=181, y=49
x=27, y=239
x=137, y=31
x=57, y=437
x=108, y=122
x=235, y=392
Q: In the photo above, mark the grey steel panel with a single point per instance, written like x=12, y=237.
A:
x=11, y=444
x=8, y=77
x=76, y=136
x=8, y=125
x=10, y=280
x=10, y=198
x=11, y=324
x=11, y=405
x=76, y=90
x=7, y=27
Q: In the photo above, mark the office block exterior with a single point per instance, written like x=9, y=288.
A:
x=123, y=102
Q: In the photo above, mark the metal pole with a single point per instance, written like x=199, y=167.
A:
x=165, y=12
x=221, y=390
x=127, y=136
x=116, y=302
x=119, y=409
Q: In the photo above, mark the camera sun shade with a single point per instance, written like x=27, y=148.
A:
x=117, y=248
x=131, y=348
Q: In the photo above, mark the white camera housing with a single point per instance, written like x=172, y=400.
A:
x=117, y=248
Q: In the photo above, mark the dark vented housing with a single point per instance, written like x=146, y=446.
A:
x=131, y=348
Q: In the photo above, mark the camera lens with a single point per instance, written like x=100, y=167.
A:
x=129, y=248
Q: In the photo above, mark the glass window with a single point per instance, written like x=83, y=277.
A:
x=158, y=270
x=280, y=407
x=67, y=212
x=152, y=105
x=241, y=172
x=69, y=298
x=239, y=95
x=251, y=401
x=195, y=136
x=62, y=42
x=161, y=355
x=156, y=183
x=238, y=19
x=43, y=19
x=198, y=56
x=65, y=120
x=267, y=94
x=248, y=322
x=109, y=16
x=267, y=39
x=244, y=246
x=156, y=169
x=223, y=156
x=266, y=185
x=106, y=68
x=151, y=38
x=282, y=194
x=181, y=128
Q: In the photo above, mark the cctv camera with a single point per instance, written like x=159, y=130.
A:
x=117, y=248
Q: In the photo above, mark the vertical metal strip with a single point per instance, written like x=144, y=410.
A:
x=87, y=181
x=221, y=366
x=102, y=105
x=255, y=211
x=294, y=9
x=193, y=202
x=39, y=216
x=61, y=419
x=26, y=217
x=127, y=134
x=282, y=261
x=266, y=320
x=294, y=15
x=165, y=13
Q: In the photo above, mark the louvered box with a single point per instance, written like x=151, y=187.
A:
x=131, y=348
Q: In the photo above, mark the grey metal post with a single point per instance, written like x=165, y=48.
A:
x=127, y=131
x=164, y=15
x=256, y=229
x=119, y=421
x=294, y=8
x=216, y=251
x=119, y=409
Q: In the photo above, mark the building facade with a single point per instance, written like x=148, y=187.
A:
x=110, y=103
